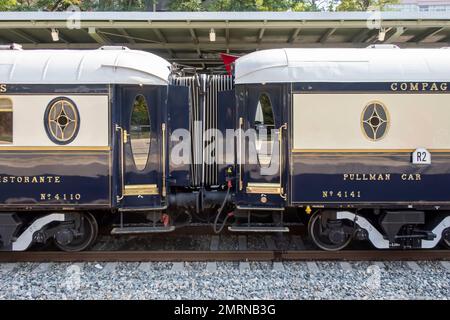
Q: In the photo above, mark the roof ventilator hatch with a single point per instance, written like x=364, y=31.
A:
x=113, y=48
x=12, y=46
x=383, y=46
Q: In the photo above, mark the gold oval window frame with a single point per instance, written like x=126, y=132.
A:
x=62, y=120
x=375, y=121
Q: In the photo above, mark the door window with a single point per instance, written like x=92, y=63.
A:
x=140, y=132
x=264, y=125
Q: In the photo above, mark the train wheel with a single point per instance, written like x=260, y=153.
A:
x=78, y=239
x=446, y=238
x=329, y=234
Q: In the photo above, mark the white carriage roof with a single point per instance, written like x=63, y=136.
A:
x=183, y=37
x=344, y=65
x=101, y=66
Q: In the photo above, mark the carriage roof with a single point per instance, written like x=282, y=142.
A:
x=384, y=63
x=101, y=66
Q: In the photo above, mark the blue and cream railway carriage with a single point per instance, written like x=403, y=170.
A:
x=364, y=141
x=80, y=132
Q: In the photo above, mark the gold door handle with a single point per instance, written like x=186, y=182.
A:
x=122, y=165
x=163, y=130
x=125, y=136
x=280, y=142
x=241, y=123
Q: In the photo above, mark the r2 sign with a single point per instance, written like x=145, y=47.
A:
x=421, y=156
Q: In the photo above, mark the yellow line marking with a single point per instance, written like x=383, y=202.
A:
x=54, y=148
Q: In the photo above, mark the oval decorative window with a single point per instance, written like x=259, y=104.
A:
x=140, y=132
x=264, y=125
x=6, y=121
x=375, y=121
x=62, y=120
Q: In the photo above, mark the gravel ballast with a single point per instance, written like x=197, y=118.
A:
x=295, y=280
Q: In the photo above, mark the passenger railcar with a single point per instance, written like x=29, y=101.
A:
x=353, y=142
x=364, y=141
x=80, y=132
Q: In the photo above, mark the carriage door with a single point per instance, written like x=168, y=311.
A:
x=140, y=149
x=263, y=117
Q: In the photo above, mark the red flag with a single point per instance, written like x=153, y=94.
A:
x=228, y=60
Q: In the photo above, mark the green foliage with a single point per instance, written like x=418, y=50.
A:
x=139, y=116
x=86, y=5
x=310, y=5
x=246, y=5
x=196, y=5
x=267, y=111
x=185, y=5
x=363, y=5
x=120, y=5
x=230, y=5
x=6, y=5
x=274, y=5
x=41, y=5
x=58, y=5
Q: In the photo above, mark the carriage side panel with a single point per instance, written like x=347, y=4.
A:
x=354, y=144
x=57, y=153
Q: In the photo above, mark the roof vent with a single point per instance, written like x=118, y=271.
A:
x=12, y=46
x=383, y=46
x=114, y=48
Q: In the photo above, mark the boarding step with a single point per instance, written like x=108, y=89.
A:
x=257, y=229
x=137, y=230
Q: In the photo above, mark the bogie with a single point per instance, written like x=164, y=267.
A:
x=77, y=235
x=329, y=233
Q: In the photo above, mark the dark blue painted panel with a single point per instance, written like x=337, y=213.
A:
x=353, y=178
x=254, y=200
x=55, y=179
x=226, y=110
x=178, y=117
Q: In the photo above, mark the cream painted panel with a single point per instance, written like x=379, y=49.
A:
x=28, y=120
x=333, y=121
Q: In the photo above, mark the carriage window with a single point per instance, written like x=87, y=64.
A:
x=6, y=121
x=140, y=132
x=265, y=130
x=62, y=120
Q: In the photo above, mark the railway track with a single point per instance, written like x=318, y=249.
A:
x=189, y=247
x=223, y=255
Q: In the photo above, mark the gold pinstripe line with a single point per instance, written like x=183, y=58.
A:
x=54, y=148
x=365, y=150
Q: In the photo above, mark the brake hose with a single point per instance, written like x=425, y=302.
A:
x=219, y=212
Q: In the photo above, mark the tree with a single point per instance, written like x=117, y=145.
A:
x=185, y=5
x=85, y=5
x=274, y=5
x=112, y=5
x=196, y=5
x=230, y=5
x=6, y=5
x=253, y=5
x=42, y=5
x=58, y=5
x=363, y=5
x=311, y=5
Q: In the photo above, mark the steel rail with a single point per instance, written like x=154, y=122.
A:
x=222, y=255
